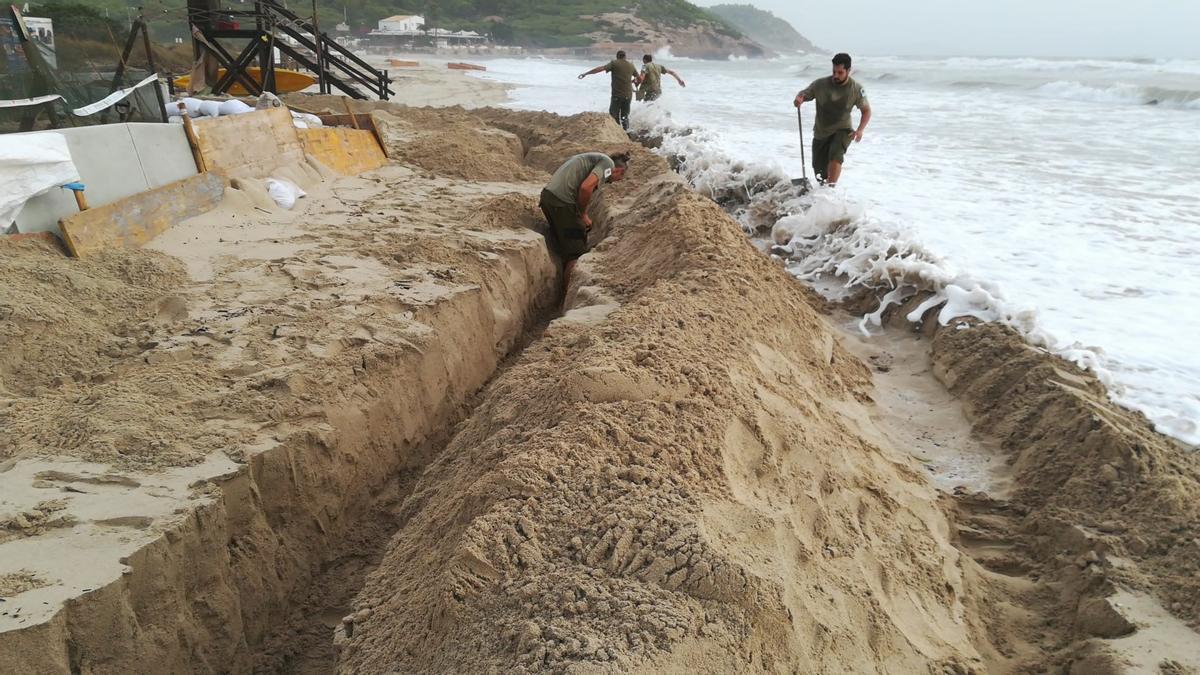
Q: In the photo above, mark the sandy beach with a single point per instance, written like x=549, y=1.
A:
x=431, y=83
x=361, y=436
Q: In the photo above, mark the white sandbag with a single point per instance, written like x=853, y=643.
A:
x=235, y=107
x=306, y=121
x=268, y=100
x=284, y=192
x=193, y=106
x=210, y=108
x=31, y=164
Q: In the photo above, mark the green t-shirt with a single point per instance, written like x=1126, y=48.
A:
x=623, y=73
x=834, y=102
x=652, y=74
x=565, y=182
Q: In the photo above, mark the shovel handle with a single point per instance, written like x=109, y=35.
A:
x=803, y=159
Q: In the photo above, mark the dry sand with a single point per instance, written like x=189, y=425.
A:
x=431, y=84
x=266, y=444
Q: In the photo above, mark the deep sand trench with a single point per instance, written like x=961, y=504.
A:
x=687, y=471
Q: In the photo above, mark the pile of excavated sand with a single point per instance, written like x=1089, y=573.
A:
x=71, y=329
x=53, y=326
x=453, y=143
x=1086, y=469
x=549, y=138
x=688, y=484
x=15, y=583
x=686, y=477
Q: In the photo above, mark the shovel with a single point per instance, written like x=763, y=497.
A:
x=802, y=183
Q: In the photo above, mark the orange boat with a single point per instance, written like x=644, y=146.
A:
x=397, y=63
x=286, y=81
x=464, y=66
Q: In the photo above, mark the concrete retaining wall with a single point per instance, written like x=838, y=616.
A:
x=114, y=161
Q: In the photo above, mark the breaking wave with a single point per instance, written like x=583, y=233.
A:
x=1121, y=93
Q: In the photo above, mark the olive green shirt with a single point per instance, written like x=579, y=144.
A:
x=565, y=182
x=652, y=78
x=834, y=102
x=623, y=73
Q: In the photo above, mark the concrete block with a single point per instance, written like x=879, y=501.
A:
x=163, y=152
x=110, y=161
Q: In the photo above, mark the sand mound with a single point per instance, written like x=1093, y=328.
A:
x=456, y=145
x=484, y=144
x=542, y=128
x=1083, y=462
x=683, y=487
x=77, y=343
x=548, y=139
x=510, y=210
x=67, y=320
x=481, y=143
x=19, y=582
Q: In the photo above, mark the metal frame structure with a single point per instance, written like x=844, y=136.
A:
x=334, y=65
x=139, y=27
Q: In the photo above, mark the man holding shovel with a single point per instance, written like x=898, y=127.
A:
x=832, y=131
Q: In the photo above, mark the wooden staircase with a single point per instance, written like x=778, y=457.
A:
x=241, y=39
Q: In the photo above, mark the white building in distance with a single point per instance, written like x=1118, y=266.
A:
x=402, y=23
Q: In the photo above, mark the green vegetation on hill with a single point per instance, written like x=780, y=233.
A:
x=538, y=23
x=764, y=27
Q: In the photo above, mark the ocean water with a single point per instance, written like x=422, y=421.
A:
x=1059, y=196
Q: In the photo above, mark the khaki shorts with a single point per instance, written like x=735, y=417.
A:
x=566, y=236
x=830, y=149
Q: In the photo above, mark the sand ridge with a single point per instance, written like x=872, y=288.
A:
x=675, y=487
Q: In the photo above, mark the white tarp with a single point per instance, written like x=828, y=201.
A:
x=90, y=109
x=112, y=99
x=21, y=102
x=31, y=164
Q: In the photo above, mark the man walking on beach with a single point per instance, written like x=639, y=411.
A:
x=832, y=130
x=565, y=202
x=623, y=75
x=650, y=81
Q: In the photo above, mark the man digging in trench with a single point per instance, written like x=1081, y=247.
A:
x=565, y=202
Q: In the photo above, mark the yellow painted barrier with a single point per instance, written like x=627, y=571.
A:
x=135, y=220
x=253, y=144
x=348, y=152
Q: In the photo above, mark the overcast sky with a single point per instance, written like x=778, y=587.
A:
x=1102, y=28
